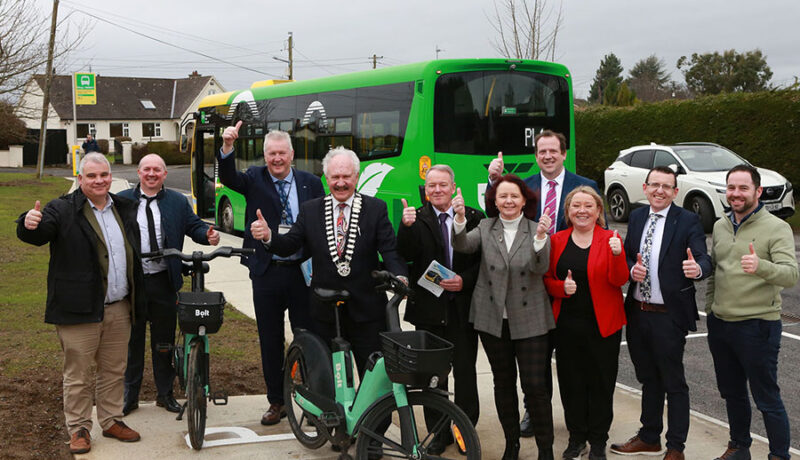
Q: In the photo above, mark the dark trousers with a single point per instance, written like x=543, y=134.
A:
x=746, y=352
x=462, y=335
x=363, y=336
x=280, y=288
x=586, y=364
x=161, y=315
x=656, y=346
x=530, y=354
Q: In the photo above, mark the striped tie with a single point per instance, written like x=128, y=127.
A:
x=550, y=205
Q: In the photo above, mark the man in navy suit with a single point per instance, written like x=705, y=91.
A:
x=277, y=190
x=666, y=250
x=551, y=152
x=343, y=233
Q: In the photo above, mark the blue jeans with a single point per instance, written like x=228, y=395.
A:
x=747, y=352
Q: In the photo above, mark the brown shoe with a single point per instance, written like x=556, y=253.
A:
x=673, y=454
x=80, y=442
x=635, y=446
x=273, y=415
x=121, y=431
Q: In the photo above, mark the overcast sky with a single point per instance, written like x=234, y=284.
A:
x=334, y=37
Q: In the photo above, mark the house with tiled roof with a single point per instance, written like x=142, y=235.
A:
x=144, y=109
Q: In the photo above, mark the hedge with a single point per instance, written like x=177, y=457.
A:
x=168, y=150
x=761, y=127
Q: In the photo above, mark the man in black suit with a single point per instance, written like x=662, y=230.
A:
x=553, y=183
x=426, y=235
x=343, y=233
x=277, y=190
x=666, y=250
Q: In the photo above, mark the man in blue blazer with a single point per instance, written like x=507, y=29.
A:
x=551, y=152
x=666, y=251
x=277, y=190
x=164, y=217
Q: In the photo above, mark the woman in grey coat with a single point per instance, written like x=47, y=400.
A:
x=510, y=307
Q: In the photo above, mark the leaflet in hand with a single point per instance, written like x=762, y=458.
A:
x=433, y=275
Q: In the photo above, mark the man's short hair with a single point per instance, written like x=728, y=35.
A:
x=562, y=140
x=664, y=170
x=443, y=168
x=160, y=160
x=341, y=151
x=277, y=135
x=754, y=174
x=94, y=157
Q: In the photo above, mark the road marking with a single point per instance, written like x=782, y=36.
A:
x=785, y=334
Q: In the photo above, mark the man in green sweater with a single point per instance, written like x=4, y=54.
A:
x=754, y=259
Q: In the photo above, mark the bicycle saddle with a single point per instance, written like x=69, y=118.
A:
x=331, y=295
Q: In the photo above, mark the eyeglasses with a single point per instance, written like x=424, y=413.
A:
x=664, y=187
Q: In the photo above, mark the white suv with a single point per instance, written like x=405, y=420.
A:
x=701, y=168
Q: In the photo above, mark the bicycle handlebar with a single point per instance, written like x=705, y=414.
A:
x=224, y=251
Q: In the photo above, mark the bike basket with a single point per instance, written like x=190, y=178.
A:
x=414, y=357
x=197, y=309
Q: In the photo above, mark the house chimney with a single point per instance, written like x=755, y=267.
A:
x=195, y=74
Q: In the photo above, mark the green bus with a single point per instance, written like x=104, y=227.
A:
x=398, y=120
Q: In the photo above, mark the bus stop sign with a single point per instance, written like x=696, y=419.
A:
x=85, y=90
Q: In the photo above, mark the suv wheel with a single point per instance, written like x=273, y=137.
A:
x=702, y=208
x=618, y=205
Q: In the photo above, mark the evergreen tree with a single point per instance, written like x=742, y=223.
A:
x=610, y=70
x=649, y=79
x=714, y=73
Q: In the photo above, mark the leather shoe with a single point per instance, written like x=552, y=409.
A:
x=273, y=415
x=129, y=407
x=512, y=450
x=525, y=426
x=734, y=452
x=635, y=446
x=673, y=454
x=121, y=432
x=80, y=442
x=169, y=403
x=597, y=452
x=439, y=443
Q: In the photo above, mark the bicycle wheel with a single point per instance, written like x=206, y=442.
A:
x=196, y=393
x=371, y=443
x=305, y=432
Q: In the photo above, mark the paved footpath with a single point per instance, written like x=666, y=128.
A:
x=165, y=438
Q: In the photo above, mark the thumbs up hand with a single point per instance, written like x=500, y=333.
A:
x=259, y=228
x=569, y=284
x=34, y=216
x=691, y=269
x=458, y=206
x=750, y=261
x=639, y=271
x=409, y=213
x=496, y=167
x=544, y=224
x=212, y=235
x=615, y=243
x=230, y=134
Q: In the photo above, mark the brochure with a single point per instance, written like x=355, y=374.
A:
x=433, y=275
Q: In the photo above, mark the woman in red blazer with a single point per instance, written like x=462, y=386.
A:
x=587, y=271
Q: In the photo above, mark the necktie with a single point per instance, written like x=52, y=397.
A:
x=151, y=224
x=446, y=238
x=550, y=205
x=286, y=214
x=644, y=289
x=341, y=229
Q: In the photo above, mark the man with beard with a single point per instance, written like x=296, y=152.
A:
x=754, y=259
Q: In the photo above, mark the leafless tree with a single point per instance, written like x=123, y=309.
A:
x=526, y=29
x=24, y=34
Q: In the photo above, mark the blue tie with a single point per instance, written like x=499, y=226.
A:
x=286, y=214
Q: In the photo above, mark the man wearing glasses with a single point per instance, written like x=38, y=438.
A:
x=666, y=250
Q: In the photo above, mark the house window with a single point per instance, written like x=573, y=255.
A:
x=147, y=104
x=151, y=129
x=126, y=130
x=212, y=91
x=119, y=129
x=86, y=128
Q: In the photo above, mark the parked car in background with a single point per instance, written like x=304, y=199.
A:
x=701, y=168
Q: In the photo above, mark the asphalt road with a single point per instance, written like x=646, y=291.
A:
x=699, y=366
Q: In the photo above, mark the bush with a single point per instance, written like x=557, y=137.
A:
x=103, y=144
x=12, y=129
x=168, y=150
x=758, y=126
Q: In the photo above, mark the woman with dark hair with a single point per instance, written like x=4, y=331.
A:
x=510, y=308
x=589, y=313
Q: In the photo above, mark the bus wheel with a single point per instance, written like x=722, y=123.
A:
x=225, y=217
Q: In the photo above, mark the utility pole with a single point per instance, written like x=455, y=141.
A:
x=438, y=50
x=48, y=78
x=375, y=61
x=291, y=74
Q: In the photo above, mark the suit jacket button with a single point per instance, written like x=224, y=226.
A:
x=491, y=267
x=524, y=303
x=524, y=288
x=490, y=283
x=491, y=298
x=522, y=274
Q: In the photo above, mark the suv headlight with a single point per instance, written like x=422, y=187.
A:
x=720, y=188
x=788, y=186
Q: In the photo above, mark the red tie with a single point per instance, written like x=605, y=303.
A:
x=550, y=205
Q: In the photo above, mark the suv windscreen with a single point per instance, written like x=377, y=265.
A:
x=706, y=158
x=486, y=111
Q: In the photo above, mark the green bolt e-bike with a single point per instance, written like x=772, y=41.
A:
x=381, y=416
